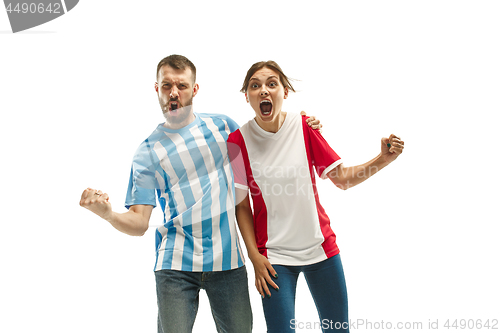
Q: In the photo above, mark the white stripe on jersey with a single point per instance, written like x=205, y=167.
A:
x=165, y=164
x=179, y=244
x=197, y=230
x=164, y=194
x=216, y=208
x=181, y=205
x=235, y=245
x=161, y=252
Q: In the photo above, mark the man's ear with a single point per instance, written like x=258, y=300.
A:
x=156, y=86
x=195, y=89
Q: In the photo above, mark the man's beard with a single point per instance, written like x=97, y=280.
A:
x=183, y=112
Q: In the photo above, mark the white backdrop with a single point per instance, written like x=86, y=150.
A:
x=419, y=241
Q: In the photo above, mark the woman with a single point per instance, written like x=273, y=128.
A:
x=289, y=231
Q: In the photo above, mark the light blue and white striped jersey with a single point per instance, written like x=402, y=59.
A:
x=188, y=170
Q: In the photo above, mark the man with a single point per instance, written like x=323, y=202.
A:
x=184, y=165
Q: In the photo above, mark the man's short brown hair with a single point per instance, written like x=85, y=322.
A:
x=177, y=62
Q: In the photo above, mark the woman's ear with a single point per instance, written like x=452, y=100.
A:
x=246, y=97
x=286, y=92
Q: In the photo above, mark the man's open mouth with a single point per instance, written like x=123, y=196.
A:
x=174, y=106
x=266, y=107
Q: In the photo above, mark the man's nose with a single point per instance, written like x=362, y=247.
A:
x=174, y=93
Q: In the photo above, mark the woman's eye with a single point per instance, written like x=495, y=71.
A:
x=273, y=84
x=255, y=85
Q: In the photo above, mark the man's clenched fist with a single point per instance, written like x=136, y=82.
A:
x=97, y=202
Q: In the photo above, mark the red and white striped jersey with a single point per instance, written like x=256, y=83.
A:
x=291, y=226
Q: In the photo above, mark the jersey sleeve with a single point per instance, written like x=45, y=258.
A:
x=323, y=157
x=142, y=182
x=235, y=144
x=232, y=125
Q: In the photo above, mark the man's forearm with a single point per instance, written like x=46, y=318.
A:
x=130, y=223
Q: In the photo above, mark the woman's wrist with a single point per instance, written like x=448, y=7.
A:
x=253, y=254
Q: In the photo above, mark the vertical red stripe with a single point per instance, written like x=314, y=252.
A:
x=259, y=206
x=329, y=244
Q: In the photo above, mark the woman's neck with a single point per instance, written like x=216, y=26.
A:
x=274, y=125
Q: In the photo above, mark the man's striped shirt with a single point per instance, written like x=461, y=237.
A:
x=188, y=171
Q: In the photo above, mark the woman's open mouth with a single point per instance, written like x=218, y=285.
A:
x=266, y=107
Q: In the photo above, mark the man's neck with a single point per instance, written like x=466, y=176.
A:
x=176, y=126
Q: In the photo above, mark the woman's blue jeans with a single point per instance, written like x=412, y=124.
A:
x=178, y=299
x=328, y=288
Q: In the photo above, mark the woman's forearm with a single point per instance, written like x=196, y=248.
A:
x=262, y=267
x=244, y=218
x=347, y=177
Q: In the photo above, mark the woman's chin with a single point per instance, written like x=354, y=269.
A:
x=264, y=117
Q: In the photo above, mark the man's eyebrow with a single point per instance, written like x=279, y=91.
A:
x=169, y=82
